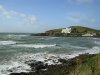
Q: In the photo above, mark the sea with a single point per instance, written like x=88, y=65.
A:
x=16, y=49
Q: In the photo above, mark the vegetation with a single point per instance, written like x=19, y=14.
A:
x=75, y=31
x=81, y=29
x=91, y=66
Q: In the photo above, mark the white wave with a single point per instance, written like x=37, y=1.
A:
x=16, y=36
x=52, y=59
x=34, y=45
x=13, y=35
x=93, y=50
x=18, y=65
x=14, y=67
x=43, y=57
x=7, y=42
x=51, y=38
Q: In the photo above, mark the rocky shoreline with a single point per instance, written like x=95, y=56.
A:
x=39, y=68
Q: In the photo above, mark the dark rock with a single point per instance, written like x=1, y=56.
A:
x=62, y=61
x=19, y=73
x=36, y=65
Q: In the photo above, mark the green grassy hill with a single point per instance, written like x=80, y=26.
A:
x=81, y=29
x=75, y=31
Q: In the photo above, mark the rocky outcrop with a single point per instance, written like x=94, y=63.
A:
x=62, y=69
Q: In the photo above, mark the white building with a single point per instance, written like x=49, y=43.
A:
x=89, y=34
x=66, y=30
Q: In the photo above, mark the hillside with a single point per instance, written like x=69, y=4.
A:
x=76, y=31
x=81, y=29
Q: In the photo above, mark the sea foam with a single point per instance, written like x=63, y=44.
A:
x=18, y=65
x=14, y=67
x=7, y=42
x=12, y=35
x=34, y=45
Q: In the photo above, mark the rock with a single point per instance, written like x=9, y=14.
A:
x=36, y=65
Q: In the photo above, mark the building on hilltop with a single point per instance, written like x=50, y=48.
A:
x=89, y=34
x=66, y=30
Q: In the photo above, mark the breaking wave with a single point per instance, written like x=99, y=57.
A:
x=34, y=45
x=7, y=42
x=12, y=35
x=19, y=65
x=17, y=61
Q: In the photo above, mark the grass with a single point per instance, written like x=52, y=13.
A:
x=75, y=31
x=90, y=67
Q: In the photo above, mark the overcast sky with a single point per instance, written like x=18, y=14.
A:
x=40, y=15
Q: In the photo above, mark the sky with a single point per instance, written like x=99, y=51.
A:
x=34, y=16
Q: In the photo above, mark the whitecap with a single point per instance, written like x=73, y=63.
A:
x=14, y=67
x=34, y=45
x=18, y=65
x=7, y=42
x=13, y=35
x=51, y=59
x=93, y=50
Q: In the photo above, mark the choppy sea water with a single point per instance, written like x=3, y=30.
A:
x=16, y=49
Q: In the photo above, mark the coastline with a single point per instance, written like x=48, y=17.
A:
x=65, y=68
x=47, y=54
x=61, y=35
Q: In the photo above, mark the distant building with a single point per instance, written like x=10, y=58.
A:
x=89, y=34
x=66, y=30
